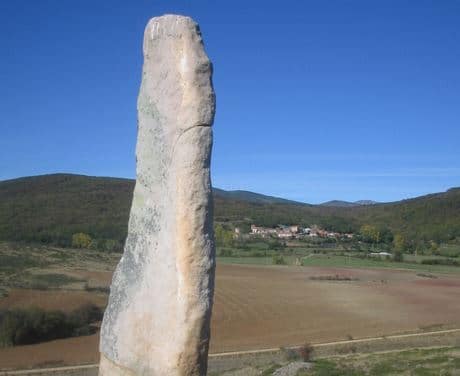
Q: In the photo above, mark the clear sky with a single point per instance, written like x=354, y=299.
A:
x=316, y=100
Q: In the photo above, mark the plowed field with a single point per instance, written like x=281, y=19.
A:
x=271, y=306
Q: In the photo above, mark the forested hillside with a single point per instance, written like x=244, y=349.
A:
x=432, y=217
x=52, y=208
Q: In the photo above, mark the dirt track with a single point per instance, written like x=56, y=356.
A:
x=268, y=307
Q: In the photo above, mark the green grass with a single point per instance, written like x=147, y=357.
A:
x=324, y=260
x=28, y=280
x=290, y=260
x=420, y=258
x=329, y=368
x=355, y=262
x=15, y=262
x=245, y=260
x=424, y=362
x=19, y=265
x=449, y=250
x=53, y=280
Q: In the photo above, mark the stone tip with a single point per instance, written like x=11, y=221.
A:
x=172, y=25
x=169, y=16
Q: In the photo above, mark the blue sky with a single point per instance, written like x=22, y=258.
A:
x=316, y=100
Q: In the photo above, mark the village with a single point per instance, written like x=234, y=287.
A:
x=294, y=232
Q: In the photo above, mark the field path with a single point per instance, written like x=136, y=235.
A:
x=345, y=342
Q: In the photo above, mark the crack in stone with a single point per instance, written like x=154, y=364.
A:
x=181, y=135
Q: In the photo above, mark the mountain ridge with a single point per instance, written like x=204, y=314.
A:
x=342, y=203
x=240, y=194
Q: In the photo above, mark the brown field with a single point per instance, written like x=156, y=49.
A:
x=271, y=306
x=62, y=300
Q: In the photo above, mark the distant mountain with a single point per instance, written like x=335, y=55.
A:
x=339, y=204
x=344, y=204
x=253, y=197
x=366, y=202
x=50, y=208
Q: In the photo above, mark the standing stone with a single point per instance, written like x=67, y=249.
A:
x=158, y=316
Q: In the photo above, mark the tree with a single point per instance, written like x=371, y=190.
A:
x=276, y=244
x=81, y=240
x=399, y=243
x=245, y=227
x=111, y=245
x=223, y=236
x=386, y=236
x=370, y=234
x=398, y=256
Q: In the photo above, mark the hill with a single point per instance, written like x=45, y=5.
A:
x=339, y=203
x=51, y=208
x=252, y=197
x=366, y=202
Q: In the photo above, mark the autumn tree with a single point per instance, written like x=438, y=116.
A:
x=81, y=240
x=399, y=242
x=370, y=234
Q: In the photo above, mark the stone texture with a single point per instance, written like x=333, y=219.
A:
x=292, y=369
x=158, y=316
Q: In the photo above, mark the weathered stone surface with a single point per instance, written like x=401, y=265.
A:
x=157, y=319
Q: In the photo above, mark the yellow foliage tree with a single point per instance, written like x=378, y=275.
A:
x=81, y=240
x=370, y=233
x=399, y=242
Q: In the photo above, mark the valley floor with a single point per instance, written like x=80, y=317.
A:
x=256, y=306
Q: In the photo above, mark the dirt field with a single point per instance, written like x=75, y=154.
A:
x=62, y=300
x=272, y=306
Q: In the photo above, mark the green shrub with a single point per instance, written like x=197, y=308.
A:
x=258, y=254
x=278, y=260
x=53, y=279
x=107, y=245
x=103, y=289
x=225, y=252
x=440, y=261
x=305, y=352
x=289, y=354
x=276, y=245
x=34, y=325
x=398, y=256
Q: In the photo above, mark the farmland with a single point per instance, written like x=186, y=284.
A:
x=256, y=305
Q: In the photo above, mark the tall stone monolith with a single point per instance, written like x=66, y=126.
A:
x=158, y=315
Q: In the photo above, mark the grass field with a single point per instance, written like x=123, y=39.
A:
x=331, y=260
x=355, y=262
x=290, y=260
x=256, y=306
x=422, y=362
x=449, y=250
